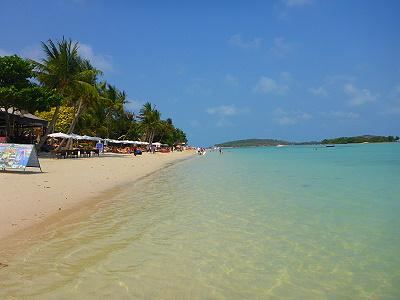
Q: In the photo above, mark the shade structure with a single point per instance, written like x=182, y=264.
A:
x=75, y=136
x=91, y=138
x=59, y=135
x=157, y=144
x=128, y=142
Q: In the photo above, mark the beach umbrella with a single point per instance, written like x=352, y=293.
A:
x=157, y=144
x=91, y=138
x=59, y=135
x=75, y=136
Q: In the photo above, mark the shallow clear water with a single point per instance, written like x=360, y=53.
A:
x=262, y=223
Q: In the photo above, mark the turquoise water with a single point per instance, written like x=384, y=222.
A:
x=261, y=223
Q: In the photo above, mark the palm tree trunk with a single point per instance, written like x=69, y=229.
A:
x=49, y=129
x=73, y=124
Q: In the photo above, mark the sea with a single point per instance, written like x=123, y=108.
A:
x=293, y=222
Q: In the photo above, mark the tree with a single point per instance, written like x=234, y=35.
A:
x=82, y=98
x=150, y=121
x=18, y=93
x=64, y=70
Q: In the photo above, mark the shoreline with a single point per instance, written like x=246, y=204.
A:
x=32, y=201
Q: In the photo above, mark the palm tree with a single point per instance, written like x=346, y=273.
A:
x=151, y=119
x=81, y=99
x=64, y=70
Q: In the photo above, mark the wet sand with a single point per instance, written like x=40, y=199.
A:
x=30, y=198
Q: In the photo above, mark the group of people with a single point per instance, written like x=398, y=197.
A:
x=201, y=151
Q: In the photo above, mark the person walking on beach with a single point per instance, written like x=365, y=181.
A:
x=220, y=150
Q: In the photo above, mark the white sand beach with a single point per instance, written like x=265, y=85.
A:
x=29, y=198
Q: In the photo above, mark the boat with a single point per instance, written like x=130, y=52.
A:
x=330, y=146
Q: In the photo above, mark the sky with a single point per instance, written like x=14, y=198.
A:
x=297, y=70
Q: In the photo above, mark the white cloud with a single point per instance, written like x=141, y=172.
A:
x=194, y=123
x=393, y=103
x=4, y=52
x=238, y=41
x=283, y=117
x=33, y=52
x=330, y=82
x=267, y=85
x=198, y=86
x=103, y=62
x=296, y=3
x=223, y=110
x=393, y=110
x=231, y=80
x=281, y=48
x=319, y=91
x=224, y=113
x=223, y=123
x=133, y=105
x=358, y=97
x=343, y=114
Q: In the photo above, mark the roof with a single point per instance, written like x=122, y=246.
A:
x=24, y=118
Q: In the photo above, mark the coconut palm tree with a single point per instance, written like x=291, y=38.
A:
x=81, y=99
x=151, y=119
x=64, y=70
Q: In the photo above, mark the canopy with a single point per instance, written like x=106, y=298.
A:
x=91, y=138
x=157, y=144
x=74, y=136
x=59, y=135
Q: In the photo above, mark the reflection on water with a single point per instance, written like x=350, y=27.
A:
x=232, y=227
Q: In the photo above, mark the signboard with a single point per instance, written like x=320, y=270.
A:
x=18, y=156
x=100, y=146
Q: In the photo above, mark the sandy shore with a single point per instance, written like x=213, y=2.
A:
x=26, y=199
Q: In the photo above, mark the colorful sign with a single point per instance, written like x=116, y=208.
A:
x=18, y=156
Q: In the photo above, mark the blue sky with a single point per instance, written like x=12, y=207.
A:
x=222, y=70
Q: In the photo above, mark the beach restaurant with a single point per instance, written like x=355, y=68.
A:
x=25, y=128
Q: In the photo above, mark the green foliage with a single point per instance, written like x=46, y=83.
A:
x=64, y=120
x=18, y=93
x=15, y=71
x=360, y=139
x=72, y=100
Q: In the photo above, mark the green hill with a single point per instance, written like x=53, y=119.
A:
x=253, y=143
x=340, y=140
x=361, y=139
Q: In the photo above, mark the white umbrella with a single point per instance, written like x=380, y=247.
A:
x=75, y=136
x=59, y=135
x=157, y=144
x=91, y=138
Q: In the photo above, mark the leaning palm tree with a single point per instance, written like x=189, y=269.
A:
x=83, y=98
x=61, y=69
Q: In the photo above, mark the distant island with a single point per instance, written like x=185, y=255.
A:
x=340, y=140
x=361, y=139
